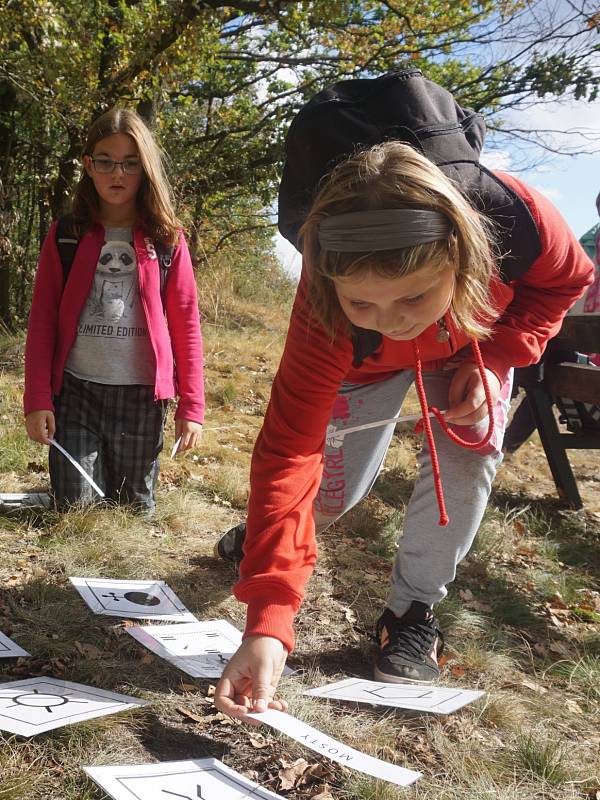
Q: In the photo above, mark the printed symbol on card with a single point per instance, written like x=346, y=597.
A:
x=35, y=699
x=36, y=705
x=137, y=599
x=435, y=699
x=198, y=779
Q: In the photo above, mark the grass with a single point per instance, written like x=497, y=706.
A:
x=534, y=734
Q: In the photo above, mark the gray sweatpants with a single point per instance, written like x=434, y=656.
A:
x=428, y=554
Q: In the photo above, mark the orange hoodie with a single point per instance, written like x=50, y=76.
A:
x=287, y=463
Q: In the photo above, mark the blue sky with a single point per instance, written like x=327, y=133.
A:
x=572, y=183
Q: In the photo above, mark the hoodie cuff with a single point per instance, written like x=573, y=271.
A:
x=271, y=619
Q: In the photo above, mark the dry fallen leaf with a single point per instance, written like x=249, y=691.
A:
x=573, y=707
x=88, y=650
x=290, y=773
x=324, y=794
x=535, y=687
x=186, y=712
x=258, y=741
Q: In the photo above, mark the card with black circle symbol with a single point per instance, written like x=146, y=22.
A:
x=9, y=649
x=37, y=705
x=435, y=699
x=201, y=649
x=203, y=779
x=132, y=599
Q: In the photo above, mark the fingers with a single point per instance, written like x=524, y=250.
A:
x=40, y=426
x=466, y=396
x=249, y=681
x=50, y=426
x=190, y=433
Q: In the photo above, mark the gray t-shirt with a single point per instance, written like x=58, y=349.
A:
x=112, y=344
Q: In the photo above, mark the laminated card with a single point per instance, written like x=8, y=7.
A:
x=135, y=599
x=8, y=649
x=36, y=705
x=201, y=649
x=204, y=778
x=436, y=699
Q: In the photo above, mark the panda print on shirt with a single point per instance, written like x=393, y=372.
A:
x=115, y=283
x=112, y=344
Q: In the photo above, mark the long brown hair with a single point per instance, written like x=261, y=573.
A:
x=395, y=175
x=154, y=204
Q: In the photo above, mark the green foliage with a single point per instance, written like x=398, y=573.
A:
x=220, y=83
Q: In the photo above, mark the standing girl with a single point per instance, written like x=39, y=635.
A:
x=110, y=340
x=393, y=250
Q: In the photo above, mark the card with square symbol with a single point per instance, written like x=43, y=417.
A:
x=37, y=705
x=435, y=699
x=8, y=648
x=203, y=778
x=133, y=599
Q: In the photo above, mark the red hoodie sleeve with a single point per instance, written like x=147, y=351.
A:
x=544, y=294
x=287, y=463
x=42, y=329
x=181, y=302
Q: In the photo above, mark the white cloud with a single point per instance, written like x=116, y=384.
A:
x=496, y=159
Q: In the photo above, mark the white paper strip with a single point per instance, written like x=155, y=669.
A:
x=436, y=699
x=135, y=599
x=36, y=705
x=334, y=436
x=8, y=649
x=204, y=778
x=77, y=466
x=176, y=447
x=336, y=751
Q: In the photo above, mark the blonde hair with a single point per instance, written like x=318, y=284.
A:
x=395, y=175
x=154, y=205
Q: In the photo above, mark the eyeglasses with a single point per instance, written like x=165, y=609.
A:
x=130, y=166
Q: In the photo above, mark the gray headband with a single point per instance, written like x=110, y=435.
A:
x=384, y=229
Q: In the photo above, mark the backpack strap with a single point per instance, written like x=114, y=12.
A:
x=164, y=254
x=66, y=243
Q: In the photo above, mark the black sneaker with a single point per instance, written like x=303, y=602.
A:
x=229, y=547
x=409, y=646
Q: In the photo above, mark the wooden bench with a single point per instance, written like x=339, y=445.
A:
x=545, y=381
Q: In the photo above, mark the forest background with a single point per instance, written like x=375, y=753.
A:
x=219, y=82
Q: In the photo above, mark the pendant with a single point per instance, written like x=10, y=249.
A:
x=442, y=335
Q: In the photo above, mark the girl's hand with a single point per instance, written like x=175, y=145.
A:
x=190, y=432
x=250, y=679
x=466, y=398
x=40, y=426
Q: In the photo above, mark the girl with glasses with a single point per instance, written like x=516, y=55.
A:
x=114, y=335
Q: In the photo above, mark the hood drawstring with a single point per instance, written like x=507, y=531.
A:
x=425, y=423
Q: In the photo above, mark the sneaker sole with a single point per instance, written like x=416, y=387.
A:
x=383, y=678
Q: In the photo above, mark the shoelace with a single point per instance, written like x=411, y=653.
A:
x=416, y=638
x=425, y=424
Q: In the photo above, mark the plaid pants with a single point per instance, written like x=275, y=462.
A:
x=116, y=434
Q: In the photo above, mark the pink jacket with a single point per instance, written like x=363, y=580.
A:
x=174, y=331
